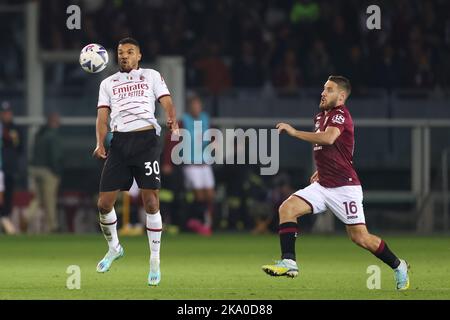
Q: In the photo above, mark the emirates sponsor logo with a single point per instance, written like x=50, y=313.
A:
x=130, y=87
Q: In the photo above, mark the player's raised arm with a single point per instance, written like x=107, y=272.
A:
x=171, y=116
x=101, y=129
x=321, y=138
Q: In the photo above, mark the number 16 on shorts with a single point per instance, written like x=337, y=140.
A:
x=351, y=210
x=151, y=168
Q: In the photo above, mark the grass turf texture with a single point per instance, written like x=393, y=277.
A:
x=225, y=266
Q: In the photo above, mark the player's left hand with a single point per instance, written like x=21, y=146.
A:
x=288, y=128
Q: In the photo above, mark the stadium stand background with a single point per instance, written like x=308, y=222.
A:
x=262, y=59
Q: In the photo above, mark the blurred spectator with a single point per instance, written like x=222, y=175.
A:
x=152, y=49
x=275, y=15
x=356, y=69
x=288, y=77
x=45, y=171
x=257, y=203
x=92, y=6
x=319, y=63
x=339, y=39
x=237, y=179
x=131, y=200
x=385, y=70
x=5, y=222
x=278, y=46
x=263, y=203
x=12, y=148
x=216, y=74
x=210, y=33
x=304, y=11
x=198, y=175
x=280, y=191
x=247, y=71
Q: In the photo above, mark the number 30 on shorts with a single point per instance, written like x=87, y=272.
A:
x=151, y=167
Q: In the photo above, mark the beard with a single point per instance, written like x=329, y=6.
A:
x=127, y=66
x=327, y=104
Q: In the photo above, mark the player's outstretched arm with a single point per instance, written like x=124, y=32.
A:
x=171, y=116
x=321, y=138
x=101, y=129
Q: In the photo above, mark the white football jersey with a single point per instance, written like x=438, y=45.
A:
x=131, y=97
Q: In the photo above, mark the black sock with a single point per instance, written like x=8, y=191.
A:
x=288, y=233
x=197, y=209
x=386, y=255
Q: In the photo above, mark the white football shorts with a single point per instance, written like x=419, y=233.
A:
x=345, y=202
x=198, y=176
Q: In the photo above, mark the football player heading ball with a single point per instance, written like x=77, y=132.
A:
x=128, y=97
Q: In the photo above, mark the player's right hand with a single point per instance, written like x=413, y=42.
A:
x=173, y=125
x=288, y=128
x=99, y=152
x=314, y=177
x=167, y=169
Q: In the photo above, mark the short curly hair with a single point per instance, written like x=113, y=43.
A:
x=342, y=83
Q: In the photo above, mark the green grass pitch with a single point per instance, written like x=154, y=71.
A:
x=225, y=266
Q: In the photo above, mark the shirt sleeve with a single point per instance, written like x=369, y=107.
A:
x=159, y=85
x=338, y=120
x=103, y=96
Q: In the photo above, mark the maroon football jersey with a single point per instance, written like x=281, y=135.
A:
x=335, y=162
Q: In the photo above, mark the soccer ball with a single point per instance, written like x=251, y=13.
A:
x=93, y=58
